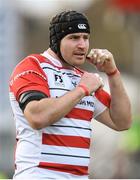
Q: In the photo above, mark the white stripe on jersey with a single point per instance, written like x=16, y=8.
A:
x=78, y=161
x=100, y=107
x=67, y=131
x=74, y=122
x=71, y=151
x=11, y=95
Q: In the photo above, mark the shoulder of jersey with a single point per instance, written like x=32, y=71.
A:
x=39, y=58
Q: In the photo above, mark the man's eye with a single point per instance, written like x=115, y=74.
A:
x=86, y=37
x=75, y=37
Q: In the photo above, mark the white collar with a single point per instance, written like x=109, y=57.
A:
x=52, y=59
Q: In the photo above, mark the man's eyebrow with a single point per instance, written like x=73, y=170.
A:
x=75, y=35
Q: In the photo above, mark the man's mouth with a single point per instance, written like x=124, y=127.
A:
x=79, y=55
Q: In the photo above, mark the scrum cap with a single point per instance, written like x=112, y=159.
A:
x=65, y=23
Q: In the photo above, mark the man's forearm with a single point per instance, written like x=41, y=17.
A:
x=49, y=110
x=120, y=108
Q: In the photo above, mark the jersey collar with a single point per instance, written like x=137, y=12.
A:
x=52, y=59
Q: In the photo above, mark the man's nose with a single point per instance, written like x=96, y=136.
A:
x=81, y=43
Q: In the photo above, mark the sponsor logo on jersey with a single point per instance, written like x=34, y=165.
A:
x=58, y=80
x=86, y=103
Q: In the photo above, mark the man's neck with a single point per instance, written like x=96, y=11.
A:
x=54, y=55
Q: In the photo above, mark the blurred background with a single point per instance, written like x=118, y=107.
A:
x=115, y=25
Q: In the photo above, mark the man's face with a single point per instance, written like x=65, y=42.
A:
x=74, y=48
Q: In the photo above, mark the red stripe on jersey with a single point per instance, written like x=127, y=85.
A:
x=73, y=169
x=103, y=97
x=81, y=114
x=68, y=141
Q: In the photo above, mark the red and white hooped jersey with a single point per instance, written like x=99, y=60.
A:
x=62, y=149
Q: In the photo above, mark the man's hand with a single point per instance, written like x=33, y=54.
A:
x=102, y=59
x=92, y=81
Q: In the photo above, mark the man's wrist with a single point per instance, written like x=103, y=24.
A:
x=116, y=71
x=85, y=89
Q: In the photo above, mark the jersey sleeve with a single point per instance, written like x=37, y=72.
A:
x=28, y=75
x=102, y=101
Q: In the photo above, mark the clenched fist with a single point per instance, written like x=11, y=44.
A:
x=92, y=81
x=102, y=59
